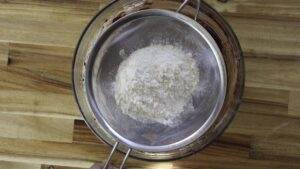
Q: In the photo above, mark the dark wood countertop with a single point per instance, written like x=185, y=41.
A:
x=40, y=124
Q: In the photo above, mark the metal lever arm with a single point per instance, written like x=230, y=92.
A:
x=112, y=153
x=185, y=2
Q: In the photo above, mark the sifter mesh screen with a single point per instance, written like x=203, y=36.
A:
x=140, y=31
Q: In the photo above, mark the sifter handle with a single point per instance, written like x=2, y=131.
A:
x=185, y=2
x=112, y=153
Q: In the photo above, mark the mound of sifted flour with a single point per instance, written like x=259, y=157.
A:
x=155, y=84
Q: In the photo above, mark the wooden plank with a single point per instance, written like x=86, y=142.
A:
x=38, y=67
x=264, y=125
x=263, y=108
x=45, y=160
x=267, y=38
x=13, y=78
x=272, y=73
x=59, y=167
x=276, y=148
x=42, y=76
x=266, y=96
x=18, y=165
x=38, y=103
x=44, y=22
x=268, y=131
x=36, y=128
x=266, y=101
x=135, y=164
x=82, y=134
x=260, y=37
x=200, y=161
x=241, y=140
x=212, y=162
x=272, y=9
x=54, y=149
x=152, y=165
x=90, y=151
x=74, y=163
x=4, y=53
x=294, y=104
x=52, y=62
x=87, y=152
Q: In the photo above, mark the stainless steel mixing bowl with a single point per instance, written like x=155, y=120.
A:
x=108, y=40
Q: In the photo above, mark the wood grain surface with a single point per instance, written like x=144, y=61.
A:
x=40, y=124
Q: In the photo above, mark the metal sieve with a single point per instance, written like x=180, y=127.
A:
x=96, y=64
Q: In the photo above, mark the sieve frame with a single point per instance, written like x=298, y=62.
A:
x=217, y=55
x=79, y=92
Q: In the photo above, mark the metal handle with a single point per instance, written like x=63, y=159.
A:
x=112, y=153
x=185, y=2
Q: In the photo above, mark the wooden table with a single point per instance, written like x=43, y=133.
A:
x=41, y=127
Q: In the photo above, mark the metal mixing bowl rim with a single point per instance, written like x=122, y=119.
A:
x=102, y=135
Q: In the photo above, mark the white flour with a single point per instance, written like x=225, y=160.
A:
x=155, y=84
